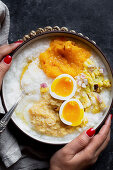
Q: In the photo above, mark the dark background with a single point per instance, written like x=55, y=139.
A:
x=93, y=18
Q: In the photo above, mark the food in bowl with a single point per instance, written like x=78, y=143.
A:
x=63, y=87
x=67, y=87
x=72, y=112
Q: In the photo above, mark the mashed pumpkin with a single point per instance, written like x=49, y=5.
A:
x=64, y=56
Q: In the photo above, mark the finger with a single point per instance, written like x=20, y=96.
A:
x=103, y=146
x=88, y=154
x=99, y=139
x=6, y=49
x=4, y=66
x=80, y=142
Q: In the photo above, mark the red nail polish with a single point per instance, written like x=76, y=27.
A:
x=90, y=132
x=111, y=116
x=19, y=41
x=7, y=59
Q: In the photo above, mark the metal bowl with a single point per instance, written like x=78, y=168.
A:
x=54, y=32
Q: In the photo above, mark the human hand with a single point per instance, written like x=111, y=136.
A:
x=83, y=151
x=5, y=59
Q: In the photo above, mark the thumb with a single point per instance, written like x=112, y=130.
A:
x=80, y=142
x=4, y=66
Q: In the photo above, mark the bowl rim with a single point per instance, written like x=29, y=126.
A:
x=74, y=34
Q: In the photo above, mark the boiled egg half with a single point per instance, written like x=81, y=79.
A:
x=63, y=87
x=71, y=112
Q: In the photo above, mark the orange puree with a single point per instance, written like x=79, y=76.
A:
x=64, y=56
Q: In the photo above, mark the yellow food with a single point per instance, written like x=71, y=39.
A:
x=63, y=87
x=88, y=95
x=64, y=56
x=44, y=90
x=84, y=122
x=72, y=112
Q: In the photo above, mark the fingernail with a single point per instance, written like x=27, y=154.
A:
x=111, y=116
x=90, y=132
x=19, y=41
x=7, y=59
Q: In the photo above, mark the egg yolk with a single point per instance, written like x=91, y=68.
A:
x=73, y=113
x=62, y=86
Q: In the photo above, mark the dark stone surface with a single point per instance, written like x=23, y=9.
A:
x=94, y=18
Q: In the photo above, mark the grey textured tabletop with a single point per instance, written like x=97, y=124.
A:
x=93, y=18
